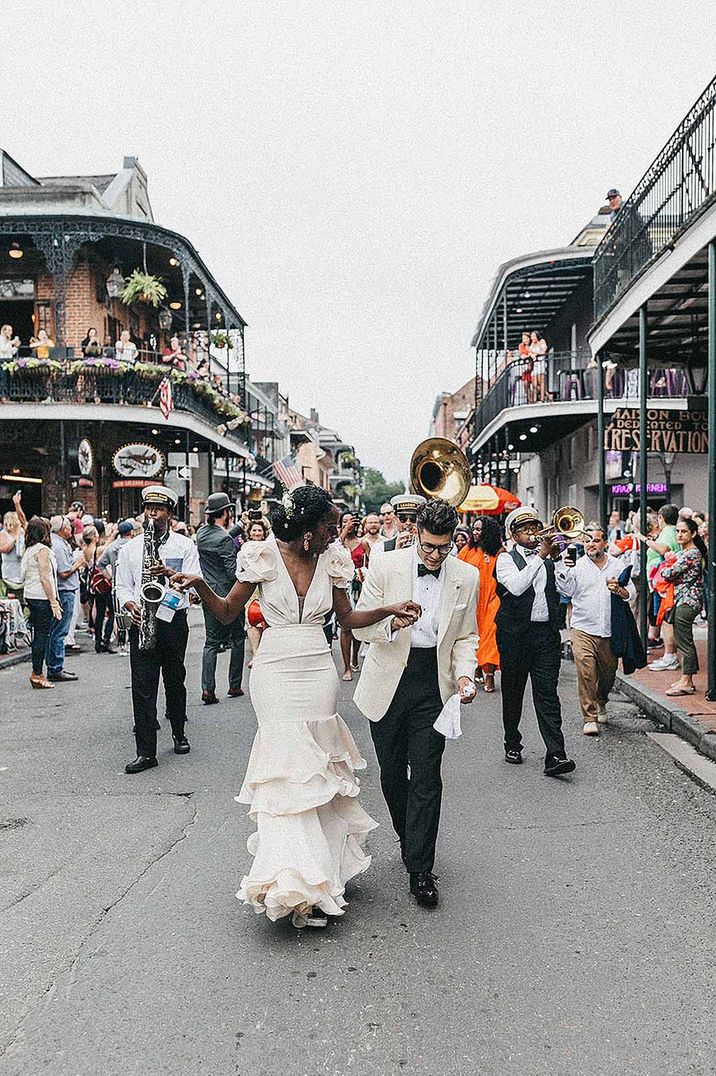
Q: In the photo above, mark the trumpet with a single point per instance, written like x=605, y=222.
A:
x=567, y=523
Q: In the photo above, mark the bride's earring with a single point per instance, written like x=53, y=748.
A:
x=307, y=542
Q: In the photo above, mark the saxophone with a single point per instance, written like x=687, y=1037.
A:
x=152, y=590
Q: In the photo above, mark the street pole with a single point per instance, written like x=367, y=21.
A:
x=643, y=449
x=711, y=570
x=600, y=441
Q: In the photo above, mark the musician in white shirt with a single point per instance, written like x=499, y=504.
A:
x=166, y=657
x=590, y=584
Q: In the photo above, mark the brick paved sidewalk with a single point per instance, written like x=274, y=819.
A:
x=691, y=716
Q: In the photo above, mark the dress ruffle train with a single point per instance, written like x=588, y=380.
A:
x=302, y=790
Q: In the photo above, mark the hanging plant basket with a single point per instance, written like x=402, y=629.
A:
x=221, y=339
x=143, y=288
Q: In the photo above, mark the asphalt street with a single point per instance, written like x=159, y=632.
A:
x=575, y=932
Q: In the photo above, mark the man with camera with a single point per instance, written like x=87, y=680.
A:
x=217, y=556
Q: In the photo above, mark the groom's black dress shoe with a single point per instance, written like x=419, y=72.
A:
x=513, y=756
x=181, y=745
x=141, y=762
x=554, y=766
x=424, y=888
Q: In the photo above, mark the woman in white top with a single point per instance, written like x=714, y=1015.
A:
x=12, y=546
x=39, y=574
x=538, y=352
x=126, y=349
x=8, y=344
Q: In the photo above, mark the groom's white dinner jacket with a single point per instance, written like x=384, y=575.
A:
x=390, y=579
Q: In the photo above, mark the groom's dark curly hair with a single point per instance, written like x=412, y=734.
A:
x=308, y=506
x=437, y=517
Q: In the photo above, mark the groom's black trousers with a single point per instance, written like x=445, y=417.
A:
x=405, y=737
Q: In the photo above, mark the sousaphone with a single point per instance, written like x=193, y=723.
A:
x=438, y=468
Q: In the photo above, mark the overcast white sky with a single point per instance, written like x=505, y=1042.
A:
x=354, y=173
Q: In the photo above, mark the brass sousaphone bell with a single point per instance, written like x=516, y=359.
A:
x=438, y=468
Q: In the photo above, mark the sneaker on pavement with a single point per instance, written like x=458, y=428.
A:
x=591, y=728
x=602, y=716
x=669, y=661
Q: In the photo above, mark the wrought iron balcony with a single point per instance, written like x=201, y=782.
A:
x=572, y=376
x=675, y=190
x=106, y=381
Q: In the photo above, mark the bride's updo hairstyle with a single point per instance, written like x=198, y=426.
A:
x=300, y=511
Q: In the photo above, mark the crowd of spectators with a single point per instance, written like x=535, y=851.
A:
x=185, y=355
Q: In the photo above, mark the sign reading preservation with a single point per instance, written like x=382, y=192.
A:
x=667, y=431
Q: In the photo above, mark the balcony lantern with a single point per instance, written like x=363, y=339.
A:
x=115, y=284
x=165, y=319
x=16, y=250
x=175, y=305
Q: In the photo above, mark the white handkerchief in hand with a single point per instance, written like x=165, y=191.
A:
x=448, y=723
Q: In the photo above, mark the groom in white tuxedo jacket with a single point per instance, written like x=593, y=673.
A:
x=409, y=674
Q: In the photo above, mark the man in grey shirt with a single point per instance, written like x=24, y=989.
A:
x=217, y=555
x=108, y=562
x=69, y=562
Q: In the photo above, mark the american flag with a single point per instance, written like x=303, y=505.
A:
x=288, y=473
x=166, y=400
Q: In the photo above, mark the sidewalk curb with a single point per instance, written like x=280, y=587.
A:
x=8, y=660
x=671, y=717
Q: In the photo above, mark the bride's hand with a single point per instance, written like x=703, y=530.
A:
x=404, y=614
x=181, y=581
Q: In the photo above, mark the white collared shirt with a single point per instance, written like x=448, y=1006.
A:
x=534, y=574
x=178, y=552
x=586, y=585
x=428, y=593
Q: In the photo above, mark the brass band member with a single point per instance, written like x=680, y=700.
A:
x=528, y=639
x=157, y=644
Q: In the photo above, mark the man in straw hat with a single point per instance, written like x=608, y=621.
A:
x=166, y=656
x=528, y=638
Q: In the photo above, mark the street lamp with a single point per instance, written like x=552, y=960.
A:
x=115, y=283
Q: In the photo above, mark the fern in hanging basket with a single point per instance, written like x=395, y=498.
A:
x=143, y=288
x=221, y=339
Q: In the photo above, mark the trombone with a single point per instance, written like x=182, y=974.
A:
x=567, y=523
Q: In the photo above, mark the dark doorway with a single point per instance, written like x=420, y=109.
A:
x=31, y=496
x=18, y=313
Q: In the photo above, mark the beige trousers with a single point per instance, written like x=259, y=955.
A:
x=596, y=670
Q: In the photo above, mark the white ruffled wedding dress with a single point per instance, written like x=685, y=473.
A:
x=300, y=781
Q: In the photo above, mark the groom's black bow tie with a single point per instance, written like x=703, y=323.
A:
x=424, y=570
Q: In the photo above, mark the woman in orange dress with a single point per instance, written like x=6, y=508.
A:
x=481, y=551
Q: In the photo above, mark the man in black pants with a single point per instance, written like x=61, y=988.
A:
x=408, y=675
x=528, y=639
x=165, y=655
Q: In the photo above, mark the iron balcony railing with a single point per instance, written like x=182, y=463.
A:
x=679, y=185
x=105, y=381
x=572, y=376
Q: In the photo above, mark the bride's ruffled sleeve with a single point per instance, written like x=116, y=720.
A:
x=340, y=566
x=256, y=563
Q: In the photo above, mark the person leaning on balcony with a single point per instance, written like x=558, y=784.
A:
x=39, y=575
x=589, y=584
x=8, y=344
x=174, y=355
x=91, y=347
x=41, y=344
x=126, y=349
x=687, y=575
x=538, y=354
x=525, y=377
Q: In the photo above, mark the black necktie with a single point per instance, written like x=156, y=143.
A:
x=424, y=570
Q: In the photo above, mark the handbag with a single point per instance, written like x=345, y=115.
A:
x=98, y=582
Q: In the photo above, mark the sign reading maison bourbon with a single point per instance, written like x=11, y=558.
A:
x=667, y=431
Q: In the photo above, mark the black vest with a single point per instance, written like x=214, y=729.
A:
x=389, y=544
x=515, y=612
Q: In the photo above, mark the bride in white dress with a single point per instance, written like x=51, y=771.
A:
x=300, y=780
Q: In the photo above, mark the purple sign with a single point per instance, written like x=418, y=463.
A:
x=623, y=489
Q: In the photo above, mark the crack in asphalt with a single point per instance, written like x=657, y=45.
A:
x=5, y=1046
